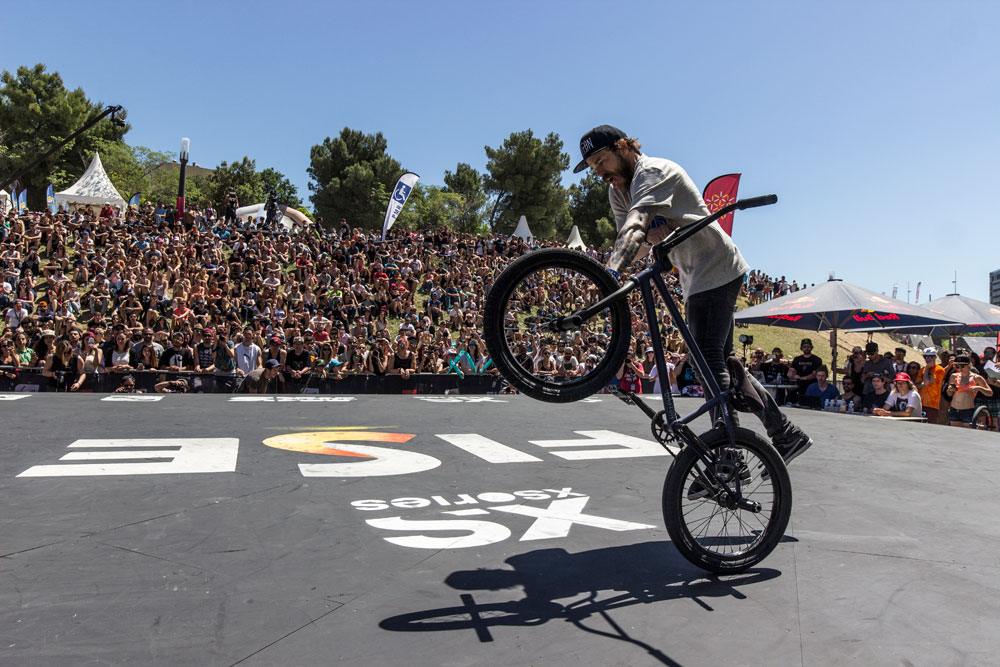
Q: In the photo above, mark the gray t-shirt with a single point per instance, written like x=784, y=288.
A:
x=707, y=260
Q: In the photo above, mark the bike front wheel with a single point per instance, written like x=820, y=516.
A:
x=521, y=326
x=709, y=530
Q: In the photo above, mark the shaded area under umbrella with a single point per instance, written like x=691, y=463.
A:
x=971, y=315
x=836, y=305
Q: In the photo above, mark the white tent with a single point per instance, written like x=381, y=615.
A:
x=522, y=231
x=5, y=204
x=290, y=217
x=574, y=241
x=94, y=187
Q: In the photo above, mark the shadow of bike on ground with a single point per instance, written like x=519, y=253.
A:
x=643, y=573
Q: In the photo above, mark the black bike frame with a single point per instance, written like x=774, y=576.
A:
x=644, y=280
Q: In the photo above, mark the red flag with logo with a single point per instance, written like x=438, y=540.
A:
x=722, y=192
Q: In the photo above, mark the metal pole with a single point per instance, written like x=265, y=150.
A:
x=179, y=212
x=110, y=111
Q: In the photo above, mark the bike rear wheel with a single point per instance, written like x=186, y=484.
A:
x=707, y=530
x=981, y=419
x=524, y=342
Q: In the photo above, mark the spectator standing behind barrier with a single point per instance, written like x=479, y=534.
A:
x=402, y=362
x=803, y=368
x=899, y=362
x=177, y=357
x=64, y=368
x=929, y=384
x=876, y=363
x=944, y=403
x=962, y=387
x=225, y=355
x=248, y=354
x=821, y=389
x=903, y=400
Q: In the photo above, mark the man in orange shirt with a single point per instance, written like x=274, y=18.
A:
x=931, y=379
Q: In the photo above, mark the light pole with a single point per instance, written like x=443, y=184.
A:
x=179, y=213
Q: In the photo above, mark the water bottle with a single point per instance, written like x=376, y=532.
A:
x=826, y=405
x=850, y=407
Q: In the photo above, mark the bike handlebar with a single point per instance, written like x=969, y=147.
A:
x=754, y=202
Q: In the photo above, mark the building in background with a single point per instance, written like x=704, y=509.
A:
x=995, y=287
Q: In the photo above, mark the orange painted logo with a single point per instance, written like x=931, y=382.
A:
x=319, y=442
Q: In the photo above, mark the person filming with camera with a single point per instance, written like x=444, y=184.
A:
x=961, y=390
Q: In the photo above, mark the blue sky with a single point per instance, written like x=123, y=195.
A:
x=874, y=122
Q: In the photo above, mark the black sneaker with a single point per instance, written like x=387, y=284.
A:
x=789, y=450
x=729, y=463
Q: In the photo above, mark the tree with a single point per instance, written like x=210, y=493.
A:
x=591, y=212
x=431, y=207
x=241, y=177
x=351, y=177
x=468, y=183
x=524, y=177
x=274, y=181
x=36, y=113
x=131, y=168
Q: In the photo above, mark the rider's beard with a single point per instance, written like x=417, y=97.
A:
x=624, y=170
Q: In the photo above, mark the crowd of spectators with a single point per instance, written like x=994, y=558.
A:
x=760, y=287
x=209, y=294
x=86, y=293
x=945, y=389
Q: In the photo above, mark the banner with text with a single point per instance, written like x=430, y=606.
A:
x=133, y=201
x=721, y=192
x=50, y=199
x=22, y=201
x=399, y=194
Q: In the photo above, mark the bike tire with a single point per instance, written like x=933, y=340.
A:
x=981, y=419
x=680, y=518
x=494, y=321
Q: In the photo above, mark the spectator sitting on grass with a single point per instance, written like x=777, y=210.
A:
x=903, y=400
x=821, y=389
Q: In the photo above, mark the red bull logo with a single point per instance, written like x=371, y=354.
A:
x=872, y=316
x=787, y=318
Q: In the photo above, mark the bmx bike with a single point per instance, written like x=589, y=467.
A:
x=727, y=496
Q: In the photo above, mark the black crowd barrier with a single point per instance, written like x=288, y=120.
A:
x=33, y=380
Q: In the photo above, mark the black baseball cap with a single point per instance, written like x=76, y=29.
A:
x=601, y=137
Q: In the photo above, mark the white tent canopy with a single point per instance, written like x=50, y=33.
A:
x=522, y=231
x=94, y=187
x=5, y=204
x=574, y=241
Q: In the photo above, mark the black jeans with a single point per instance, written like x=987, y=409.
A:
x=710, y=318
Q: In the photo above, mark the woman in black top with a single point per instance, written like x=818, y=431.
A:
x=401, y=362
x=64, y=368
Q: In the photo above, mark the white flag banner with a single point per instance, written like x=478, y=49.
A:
x=399, y=194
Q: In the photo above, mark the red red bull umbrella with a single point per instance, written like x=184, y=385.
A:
x=836, y=305
x=974, y=316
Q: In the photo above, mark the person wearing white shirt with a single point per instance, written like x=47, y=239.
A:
x=248, y=354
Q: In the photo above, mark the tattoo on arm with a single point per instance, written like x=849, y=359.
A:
x=629, y=240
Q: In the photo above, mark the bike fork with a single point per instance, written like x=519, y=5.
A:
x=665, y=432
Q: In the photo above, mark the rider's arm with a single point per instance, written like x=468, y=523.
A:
x=630, y=239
